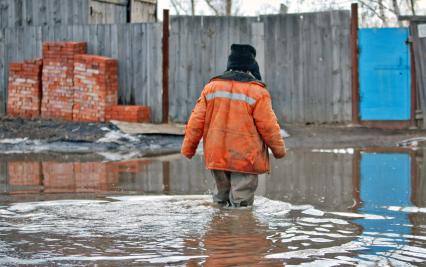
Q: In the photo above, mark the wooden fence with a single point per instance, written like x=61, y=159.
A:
x=419, y=49
x=137, y=47
x=304, y=60
x=199, y=48
x=15, y=13
x=308, y=66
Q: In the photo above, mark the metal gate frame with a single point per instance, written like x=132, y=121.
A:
x=355, y=84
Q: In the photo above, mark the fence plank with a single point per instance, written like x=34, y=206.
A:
x=24, y=43
x=316, y=61
x=419, y=48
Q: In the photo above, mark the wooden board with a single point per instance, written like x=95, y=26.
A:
x=148, y=128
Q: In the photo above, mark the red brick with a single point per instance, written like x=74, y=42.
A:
x=129, y=113
x=96, y=87
x=24, y=89
x=58, y=78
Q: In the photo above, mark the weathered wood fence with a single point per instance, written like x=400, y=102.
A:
x=199, y=49
x=15, y=13
x=419, y=49
x=304, y=60
x=137, y=47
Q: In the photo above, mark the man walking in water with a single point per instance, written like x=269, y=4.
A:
x=234, y=117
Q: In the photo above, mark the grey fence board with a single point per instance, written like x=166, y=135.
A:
x=419, y=45
x=304, y=60
x=107, y=12
x=199, y=48
x=15, y=13
x=315, y=69
x=134, y=45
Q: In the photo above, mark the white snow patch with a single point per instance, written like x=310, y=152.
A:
x=284, y=134
x=313, y=212
x=410, y=209
x=321, y=240
x=13, y=140
x=301, y=207
x=335, y=151
x=115, y=136
x=115, y=156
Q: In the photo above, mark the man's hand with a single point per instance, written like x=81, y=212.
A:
x=281, y=154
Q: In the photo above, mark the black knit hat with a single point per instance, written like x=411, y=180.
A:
x=242, y=58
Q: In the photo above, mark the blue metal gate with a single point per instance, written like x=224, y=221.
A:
x=384, y=74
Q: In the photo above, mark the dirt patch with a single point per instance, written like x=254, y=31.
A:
x=50, y=130
x=342, y=136
x=77, y=137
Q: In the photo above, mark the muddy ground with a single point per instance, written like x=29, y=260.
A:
x=51, y=130
x=343, y=136
x=57, y=137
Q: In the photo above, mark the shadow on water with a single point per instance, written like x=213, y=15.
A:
x=322, y=207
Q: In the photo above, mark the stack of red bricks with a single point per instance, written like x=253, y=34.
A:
x=69, y=85
x=128, y=113
x=58, y=78
x=25, y=89
x=96, y=87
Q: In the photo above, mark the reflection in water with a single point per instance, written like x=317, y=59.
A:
x=366, y=207
x=236, y=238
x=385, y=182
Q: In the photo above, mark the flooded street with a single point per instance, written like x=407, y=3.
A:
x=324, y=207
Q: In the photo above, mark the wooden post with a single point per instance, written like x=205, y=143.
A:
x=165, y=66
x=413, y=83
x=355, y=67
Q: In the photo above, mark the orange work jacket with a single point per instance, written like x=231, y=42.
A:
x=237, y=124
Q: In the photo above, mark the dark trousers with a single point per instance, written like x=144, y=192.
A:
x=234, y=188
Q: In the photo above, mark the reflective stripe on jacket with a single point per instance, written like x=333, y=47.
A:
x=237, y=124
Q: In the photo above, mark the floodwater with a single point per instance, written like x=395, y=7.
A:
x=340, y=207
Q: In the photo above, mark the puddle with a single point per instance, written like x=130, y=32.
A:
x=316, y=208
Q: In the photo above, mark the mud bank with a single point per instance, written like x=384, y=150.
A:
x=47, y=136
